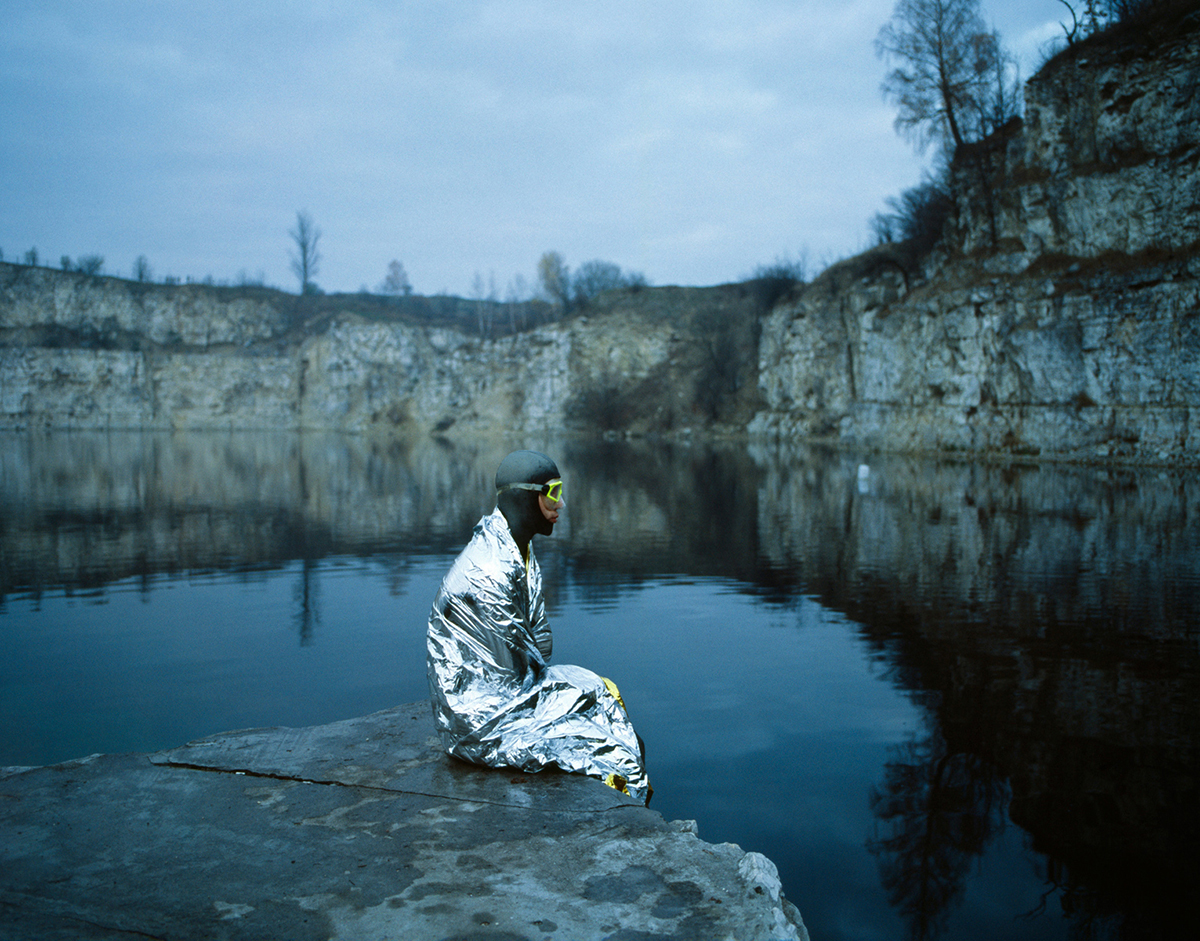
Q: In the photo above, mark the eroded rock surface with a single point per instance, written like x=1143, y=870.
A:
x=362, y=830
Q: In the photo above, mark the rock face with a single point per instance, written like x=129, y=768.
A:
x=1064, y=319
x=85, y=352
x=359, y=829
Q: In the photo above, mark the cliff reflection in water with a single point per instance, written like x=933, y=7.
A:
x=1045, y=620
x=84, y=509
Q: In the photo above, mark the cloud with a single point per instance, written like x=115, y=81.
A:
x=1034, y=45
x=691, y=141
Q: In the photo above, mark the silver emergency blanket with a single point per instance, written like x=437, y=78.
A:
x=496, y=700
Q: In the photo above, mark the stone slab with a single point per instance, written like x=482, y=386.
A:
x=364, y=830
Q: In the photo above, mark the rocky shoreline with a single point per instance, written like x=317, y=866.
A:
x=360, y=829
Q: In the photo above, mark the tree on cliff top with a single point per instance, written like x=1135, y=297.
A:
x=396, y=282
x=1089, y=17
x=594, y=277
x=306, y=257
x=554, y=278
x=952, y=81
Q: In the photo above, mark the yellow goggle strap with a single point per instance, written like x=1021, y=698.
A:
x=552, y=490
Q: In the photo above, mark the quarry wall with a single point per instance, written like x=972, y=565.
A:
x=1061, y=315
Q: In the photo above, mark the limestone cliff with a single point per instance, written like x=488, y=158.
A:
x=1061, y=315
x=86, y=352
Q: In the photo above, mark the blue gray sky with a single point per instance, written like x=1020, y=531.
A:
x=690, y=140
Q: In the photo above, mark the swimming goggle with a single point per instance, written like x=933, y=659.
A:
x=551, y=490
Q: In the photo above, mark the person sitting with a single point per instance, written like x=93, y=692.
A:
x=497, y=700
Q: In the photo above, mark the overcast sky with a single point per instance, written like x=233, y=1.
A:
x=691, y=141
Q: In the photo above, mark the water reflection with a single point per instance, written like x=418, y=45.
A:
x=307, y=597
x=83, y=509
x=1042, y=621
x=938, y=810
x=1046, y=618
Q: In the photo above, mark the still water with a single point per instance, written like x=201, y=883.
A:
x=948, y=700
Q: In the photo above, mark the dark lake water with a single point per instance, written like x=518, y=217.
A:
x=949, y=700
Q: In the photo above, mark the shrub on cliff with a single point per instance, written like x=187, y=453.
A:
x=771, y=283
x=90, y=264
x=1093, y=16
x=594, y=277
x=918, y=216
x=1144, y=22
x=86, y=264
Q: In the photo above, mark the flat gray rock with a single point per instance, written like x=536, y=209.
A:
x=363, y=830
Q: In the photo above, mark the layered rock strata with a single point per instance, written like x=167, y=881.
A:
x=1061, y=316
x=85, y=352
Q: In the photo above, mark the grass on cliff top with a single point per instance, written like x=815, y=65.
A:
x=1141, y=35
x=313, y=313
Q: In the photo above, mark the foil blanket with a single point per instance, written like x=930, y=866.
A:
x=496, y=699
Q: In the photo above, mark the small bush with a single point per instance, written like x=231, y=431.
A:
x=772, y=282
x=90, y=264
x=917, y=216
x=784, y=268
x=595, y=277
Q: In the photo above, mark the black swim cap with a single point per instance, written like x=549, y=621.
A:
x=525, y=467
x=520, y=506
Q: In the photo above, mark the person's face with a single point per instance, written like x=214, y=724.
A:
x=550, y=508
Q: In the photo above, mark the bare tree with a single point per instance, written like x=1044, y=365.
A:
x=517, y=298
x=998, y=86
x=938, y=82
x=141, y=269
x=477, y=295
x=306, y=258
x=555, y=279
x=1074, y=30
x=31, y=257
x=518, y=288
x=396, y=282
x=493, y=300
